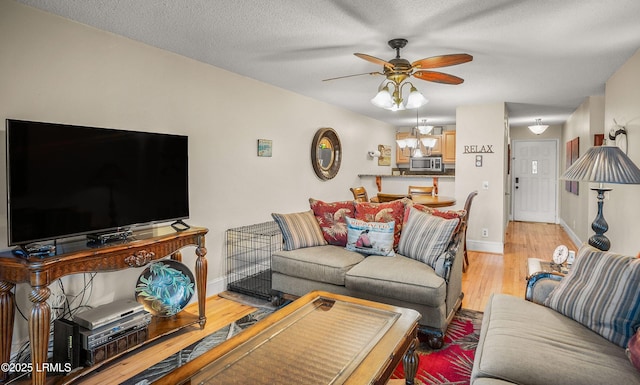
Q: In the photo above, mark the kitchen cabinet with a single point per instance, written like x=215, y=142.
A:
x=448, y=147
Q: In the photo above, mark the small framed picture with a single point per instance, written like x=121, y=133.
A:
x=264, y=147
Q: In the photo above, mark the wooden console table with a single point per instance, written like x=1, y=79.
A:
x=139, y=249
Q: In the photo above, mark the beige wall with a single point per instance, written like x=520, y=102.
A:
x=55, y=70
x=575, y=214
x=477, y=126
x=622, y=209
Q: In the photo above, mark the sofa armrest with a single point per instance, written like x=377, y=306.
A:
x=540, y=285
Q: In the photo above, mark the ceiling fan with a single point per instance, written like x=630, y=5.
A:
x=398, y=69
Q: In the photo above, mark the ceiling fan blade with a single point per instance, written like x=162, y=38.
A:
x=442, y=61
x=374, y=60
x=349, y=76
x=438, y=77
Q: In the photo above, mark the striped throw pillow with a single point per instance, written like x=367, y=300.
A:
x=602, y=292
x=299, y=230
x=425, y=237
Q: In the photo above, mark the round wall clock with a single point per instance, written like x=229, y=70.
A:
x=560, y=254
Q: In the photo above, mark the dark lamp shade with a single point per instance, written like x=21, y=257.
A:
x=604, y=164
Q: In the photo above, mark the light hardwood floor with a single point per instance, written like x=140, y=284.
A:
x=506, y=273
x=487, y=274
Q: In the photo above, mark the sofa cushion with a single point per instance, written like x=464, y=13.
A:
x=371, y=238
x=299, y=230
x=330, y=217
x=327, y=263
x=526, y=343
x=383, y=212
x=425, y=236
x=602, y=292
x=398, y=277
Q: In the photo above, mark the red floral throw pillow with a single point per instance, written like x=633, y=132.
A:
x=330, y=217
x=383, y=212
x=449, y=214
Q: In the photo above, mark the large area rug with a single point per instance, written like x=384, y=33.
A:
x=453, y=363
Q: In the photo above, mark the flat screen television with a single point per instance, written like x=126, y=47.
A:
x=65, y=180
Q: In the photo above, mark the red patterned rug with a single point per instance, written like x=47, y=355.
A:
x=453, y=363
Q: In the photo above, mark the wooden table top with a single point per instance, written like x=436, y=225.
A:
x=434, y=201
x=427, y=200
x=302, y=343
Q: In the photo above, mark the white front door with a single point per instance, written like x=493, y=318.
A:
x=535, y=165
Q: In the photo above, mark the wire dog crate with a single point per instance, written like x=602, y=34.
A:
x=249, y=250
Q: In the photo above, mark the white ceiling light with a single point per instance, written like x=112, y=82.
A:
x=424, y=128
x=393, y=100
x=538, y=128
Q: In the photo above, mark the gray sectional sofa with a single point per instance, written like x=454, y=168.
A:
x=433, y=289
x=564, y=335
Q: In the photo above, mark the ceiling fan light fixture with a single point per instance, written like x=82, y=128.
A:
x=538, y=128
x=415, y=99
x=383, y=98
x=396, y=107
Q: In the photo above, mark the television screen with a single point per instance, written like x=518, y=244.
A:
x=65, y=180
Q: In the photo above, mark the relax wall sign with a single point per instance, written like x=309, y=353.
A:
x=478, y=149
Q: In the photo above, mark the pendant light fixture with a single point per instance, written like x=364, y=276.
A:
x=538, y=128
x=415, y=143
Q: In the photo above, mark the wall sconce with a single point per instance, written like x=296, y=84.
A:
x=374, y=154
x=618, y=136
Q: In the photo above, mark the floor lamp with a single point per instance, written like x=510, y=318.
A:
x=603, y=164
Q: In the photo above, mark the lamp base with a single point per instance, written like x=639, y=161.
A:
x=600, y=242
x=599, y=225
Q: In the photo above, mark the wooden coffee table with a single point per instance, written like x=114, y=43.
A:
x=321, y=338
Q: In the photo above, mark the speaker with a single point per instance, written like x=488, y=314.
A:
x=66, y=343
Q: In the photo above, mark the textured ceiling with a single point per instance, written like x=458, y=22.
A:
x=542, y=57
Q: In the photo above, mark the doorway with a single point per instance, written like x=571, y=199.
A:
x=535, y=180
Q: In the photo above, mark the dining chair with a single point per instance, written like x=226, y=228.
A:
x=465, y=221
x=359, y=194
x=420, y=190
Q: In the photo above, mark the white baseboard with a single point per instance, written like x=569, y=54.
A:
x=216, y=286
x=485, y=246
x=571, y=233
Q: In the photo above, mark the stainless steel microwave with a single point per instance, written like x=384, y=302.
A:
x=426, y=163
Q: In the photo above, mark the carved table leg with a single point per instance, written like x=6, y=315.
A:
x=39, y=332
x=201, y=281
x=410, y=362
x=7, y=313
